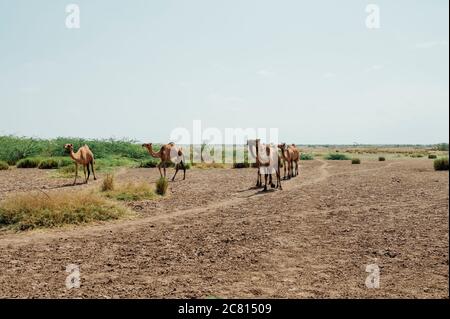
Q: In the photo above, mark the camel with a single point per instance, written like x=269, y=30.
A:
x=291, y=156
x=267, y=161
x=84, y=157
x=295, y=157
x=168, y=154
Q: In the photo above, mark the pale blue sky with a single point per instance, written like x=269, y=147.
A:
x=140, y=68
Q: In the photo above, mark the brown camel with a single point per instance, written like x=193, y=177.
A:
x=291, y=156
x=295, y=157
x=168, y=153
x=84, y=157
x=267, y=161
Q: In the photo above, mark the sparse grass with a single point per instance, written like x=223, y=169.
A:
x=432, y=156
x=356, y=161
x=38, y=210
x=441, y=164
x=48, y=164
x=337, y=157
x=209, y=165
x=131, y=192
x=3, y=166
x=108, y=183
x=381, y=159
x=161, y=186
x=306, y=157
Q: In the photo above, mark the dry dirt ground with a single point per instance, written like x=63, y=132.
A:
x=214, y=235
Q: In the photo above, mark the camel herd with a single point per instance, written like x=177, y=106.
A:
x=267, y=158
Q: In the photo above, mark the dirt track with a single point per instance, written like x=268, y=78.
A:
x=216, y=236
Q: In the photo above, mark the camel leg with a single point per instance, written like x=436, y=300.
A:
x=93, y=172
x=284, y=167
x=159, y=167
x=84, y=171
x=89, y=172
x=279, y=180
x=176, y=171
x=265, y=182
x=184, y=170
x=76, y=174
x=271, y=181
x=164, y=168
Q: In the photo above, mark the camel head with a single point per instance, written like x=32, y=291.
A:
x=68, y=147
x=282, y=146
x=147, y=145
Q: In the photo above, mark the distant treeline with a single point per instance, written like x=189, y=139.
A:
x=13, y=148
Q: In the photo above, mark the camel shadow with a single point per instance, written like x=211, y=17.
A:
x=263, y=192
x=67, y=185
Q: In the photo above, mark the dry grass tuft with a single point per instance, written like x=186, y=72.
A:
x=108, y=183
x=40, y=210
x=131, y=192
x=161, y=186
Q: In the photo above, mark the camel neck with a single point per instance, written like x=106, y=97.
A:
x=152, y=153
x=72, y=155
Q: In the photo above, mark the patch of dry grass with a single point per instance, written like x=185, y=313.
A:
x=40, y=210
x=131, y=192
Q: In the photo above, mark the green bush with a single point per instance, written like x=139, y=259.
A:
x=356, y=161
x=3, y=166
x=306, y=157
x=337, y=157
x=28, y=163
x=416, y=155
x=149, y=163
x=381, y=159
x=65, y=162
x=442, y=147
x=161, y=186
x=48, y=164
x=441, y=164
x=241, y=165
x=432, y=156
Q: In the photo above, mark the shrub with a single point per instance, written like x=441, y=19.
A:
x=149, y=163
x=131, y=192
x=3, y=166
x=161, y=186
x=442, y=147
x=441, y=164
x=241, y=165
x=28, y=163
x=65, y=162
x=356, y=161
x=38, y=210
x=306, y=157
x=381, y=159
x=432, y=156
x=108, y=183
x=416, y=155
x=337, y=157
x=48, y=164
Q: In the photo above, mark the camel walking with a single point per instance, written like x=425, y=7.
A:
x=290, y=155
x=295, y=157
x=168, y=153
x=85, y=157
x=267, y=162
